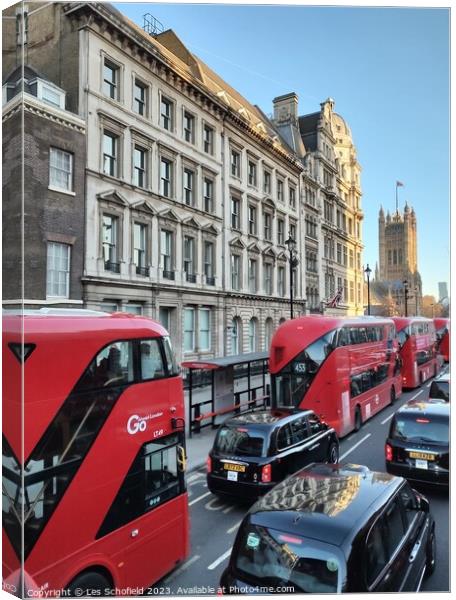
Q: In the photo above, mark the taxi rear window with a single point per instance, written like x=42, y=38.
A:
x=440, y=390
x=420, y=429
x=239, y=441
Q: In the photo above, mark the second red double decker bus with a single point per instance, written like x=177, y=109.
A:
x=94, y=496
x=442, y=331
x=344, y=369
x=417, y=343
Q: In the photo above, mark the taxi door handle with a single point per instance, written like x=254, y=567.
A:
x=134, y=532
x=414, y=552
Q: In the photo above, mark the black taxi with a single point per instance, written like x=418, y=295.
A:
x=330, y=529
x=255, y=450
x=418, y=444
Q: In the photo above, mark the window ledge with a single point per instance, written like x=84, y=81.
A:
x=61, y=190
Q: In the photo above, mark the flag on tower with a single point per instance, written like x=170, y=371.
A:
x=399, y=184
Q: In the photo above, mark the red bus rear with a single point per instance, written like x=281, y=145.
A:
x=344, y=369
x=417, y=342
x=442, y=332
x=104, y=504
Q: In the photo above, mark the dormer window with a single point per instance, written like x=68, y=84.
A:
x=49, y=93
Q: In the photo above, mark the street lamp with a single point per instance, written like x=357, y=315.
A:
x=432, y=306
x=291, y=244
x=416, y=300
x=368, y=271
x=405, y=282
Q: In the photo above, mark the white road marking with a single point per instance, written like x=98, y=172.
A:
x=219, y=560
x=228, y=509
x=416, y=395
x=181, y=569
x=194, y=476
x=429, y=384
x=199, y=498
x=355, y=446
x=236, y=526
x=388, y=418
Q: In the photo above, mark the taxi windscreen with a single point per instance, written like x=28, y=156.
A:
x=420, y=429
x=272, y=558
x=239, y=441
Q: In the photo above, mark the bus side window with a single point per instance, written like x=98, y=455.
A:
x=354, y=339
x=343, y=337
x=151, y=360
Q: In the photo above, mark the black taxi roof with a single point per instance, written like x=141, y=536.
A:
x=414, y=408
x=263, y=418
x=325, y=502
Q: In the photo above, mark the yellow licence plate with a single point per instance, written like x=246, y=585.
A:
x=422, y=455
x=231, y=467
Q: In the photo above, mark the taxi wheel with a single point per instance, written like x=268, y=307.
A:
x=430, y=555
x=358, y=419
x=333, y=454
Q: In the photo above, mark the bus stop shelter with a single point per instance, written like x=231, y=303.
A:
x=222, y=376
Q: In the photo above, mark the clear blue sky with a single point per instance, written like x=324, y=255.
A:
x=388, y=72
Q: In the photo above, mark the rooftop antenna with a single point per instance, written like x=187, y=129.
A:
x=151, y=25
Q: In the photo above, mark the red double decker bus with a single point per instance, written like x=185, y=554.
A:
x=442, y=332
x=417, y=342
x=344, y=369
x=93, y=453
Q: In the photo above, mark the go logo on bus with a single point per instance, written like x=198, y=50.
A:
x=136, y=423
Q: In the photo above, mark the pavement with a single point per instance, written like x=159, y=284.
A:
x=198, y=447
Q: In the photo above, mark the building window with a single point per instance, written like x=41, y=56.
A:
x=235, y=213
x=166, y=248
x=311, y=261
x=280, y=190
x=266, y=182
x=268, y=331
x=235, y=335
x=252, y=220
x=292, y=197
x=110, y=248
x=166, y=173
x=209, y=263
x=208, y=193
x=252, y=276
x=139, y=98
x=139, y=248
x=110, y=153
x=280, y=231
x=293, y=232
x=189, y=179
x=189, y=258
x=352, y=291
x=339, y=254
x=252, y=173
x=189, y=329
x=267, y=223
x=344, y=261
x=134, y=309
x=111, y=77
x=267, y=272
x=58, y=270
x=351, y=263
x=328, y=211
x=208, y=139
x=252, y=335
x=166, y=113
x=281, y=281
x=51, y=95
x=204, y=329
x=235, y=163
x=189, y=127
x=61, y=169
x=139, y=166
x=236, y=272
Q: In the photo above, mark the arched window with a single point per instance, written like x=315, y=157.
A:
x=268, y=331
x=235, y=335
x=253, y=335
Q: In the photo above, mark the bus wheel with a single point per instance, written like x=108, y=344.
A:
x=89, y=583
x=393, y=395
x=358, y=419
x=333, y=454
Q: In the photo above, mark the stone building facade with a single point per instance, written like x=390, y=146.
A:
x=191, y=192
x=43, y=194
